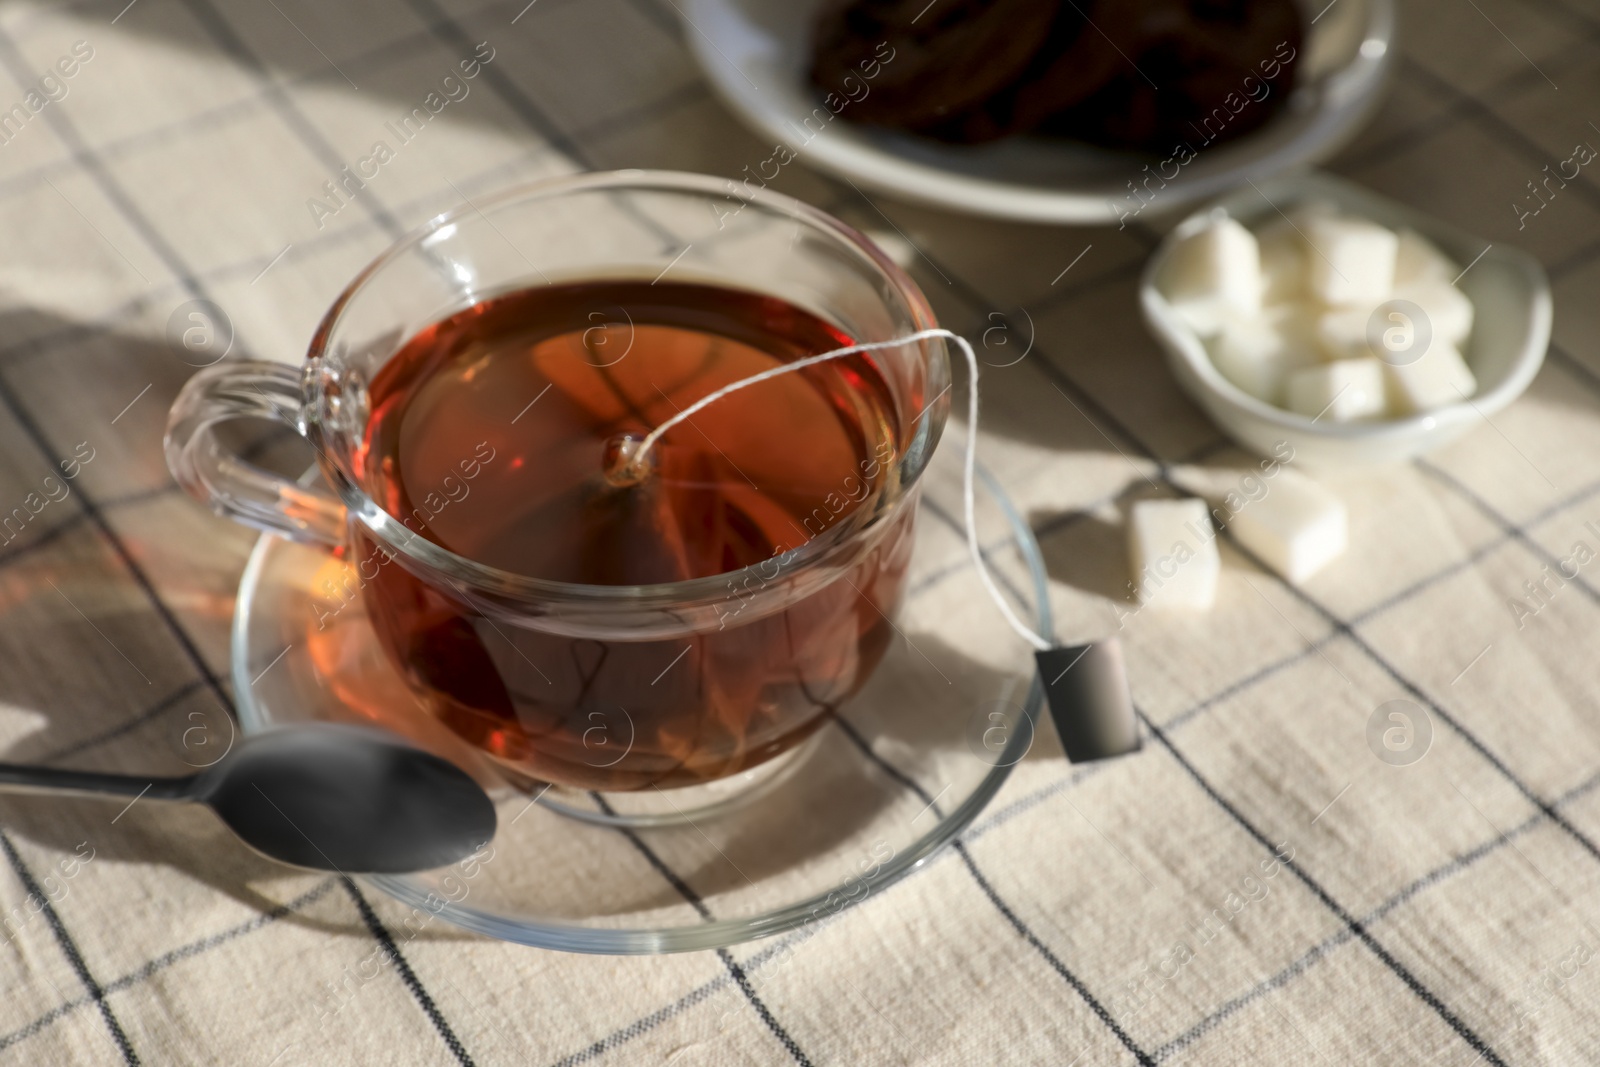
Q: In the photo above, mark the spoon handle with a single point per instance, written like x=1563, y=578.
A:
x=22, y=776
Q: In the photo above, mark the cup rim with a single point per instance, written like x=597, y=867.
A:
x=393, y=534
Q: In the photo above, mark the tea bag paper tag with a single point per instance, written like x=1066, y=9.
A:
x=1086, y=689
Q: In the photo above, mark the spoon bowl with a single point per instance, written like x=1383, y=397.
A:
x=347, y=799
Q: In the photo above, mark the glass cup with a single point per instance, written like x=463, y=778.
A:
x=551, y=679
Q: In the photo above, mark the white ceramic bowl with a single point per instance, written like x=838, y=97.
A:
x=756, y=54
x=1511, y=330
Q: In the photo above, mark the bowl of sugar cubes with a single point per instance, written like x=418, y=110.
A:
x=1311, y=312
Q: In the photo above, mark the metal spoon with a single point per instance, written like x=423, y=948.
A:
x=340, y=798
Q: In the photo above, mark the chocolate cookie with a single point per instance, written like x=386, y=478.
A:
x=1203, y=71
x=1132, y=74
x=912, y=64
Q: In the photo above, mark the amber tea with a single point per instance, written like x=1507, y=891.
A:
x=491, y=434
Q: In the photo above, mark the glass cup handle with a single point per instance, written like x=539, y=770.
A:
x=214, y=474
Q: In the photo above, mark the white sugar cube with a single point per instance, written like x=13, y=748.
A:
x=1283, y=264
x=1204, y=317
x=1173, y=549
x=1415, y=258
x=1212, y=271
x=1342, y=333
x=1449, y=310
x=1350, y=261
x=1297, y=321
x=1340, y=391
x=1296, y=529
x=1258, y=352
x=1440, y=376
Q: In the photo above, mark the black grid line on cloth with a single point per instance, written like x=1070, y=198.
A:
x=162, y=962
x=126, y=726
x=112, y=189
x=1425, y=129
x=45, y=539
x=1460, y=107
x=1570, y=14
x=541, y=125
x=62, y=336
x=67, y=130
x=1342, y=627
x=380, y=933
x=1433, y=706
x=1574, y=262
x=1356, y=927
x=1055, y=523
x=78, y=518
x=1388, y=603
x=1512, y=530
x=641, y=1026
x=40, y=441
x=1304, y=963
x=1399, y=969
x=69, y=949
x=394, y=51
x=664, y=22
x=1077, y=984
x=1394, y=600
x=195, y=949
x=138, y=496
x=735, y=970
x=1093, y=408
x=233, y=933
x=404, y=48
x=1572, y=363
x=624, y=120
x=449, y=31
x=1210, y=447
x=1047, y=792
x=335, y=236
x=1055, y=372
x=1503, y=132
x=1021, y=806
x=281, y=103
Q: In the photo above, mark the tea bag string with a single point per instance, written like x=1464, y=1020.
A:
x=1026, y=632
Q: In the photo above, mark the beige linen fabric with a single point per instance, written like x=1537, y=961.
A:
x=1442, y=912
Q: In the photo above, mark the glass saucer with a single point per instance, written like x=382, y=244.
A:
x=896, y=773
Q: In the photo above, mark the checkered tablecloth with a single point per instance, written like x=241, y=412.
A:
x=1255, y=887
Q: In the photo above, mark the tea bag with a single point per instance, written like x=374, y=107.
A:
x=1085, y=686
x=656, y=514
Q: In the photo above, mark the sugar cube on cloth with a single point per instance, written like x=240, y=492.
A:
x=1297, y=528
x=1172, y=547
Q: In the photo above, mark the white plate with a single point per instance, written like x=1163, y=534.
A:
x=756, y=53
x=1511, y=330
